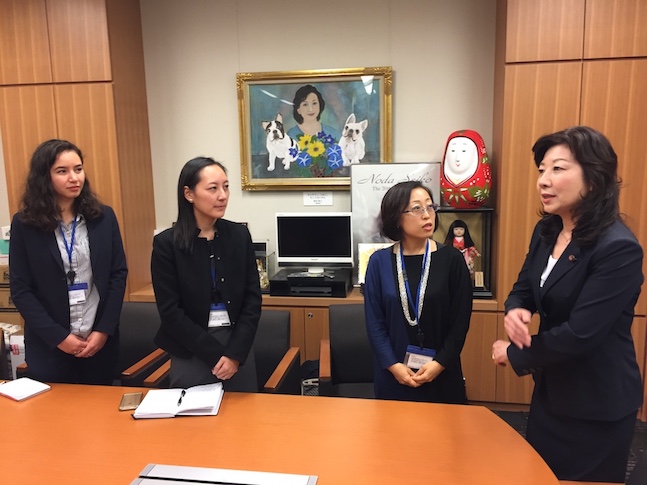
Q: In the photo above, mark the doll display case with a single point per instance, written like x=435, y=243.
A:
x=265, y=264
x=469, y=231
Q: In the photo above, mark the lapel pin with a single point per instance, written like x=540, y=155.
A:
x=572, y=258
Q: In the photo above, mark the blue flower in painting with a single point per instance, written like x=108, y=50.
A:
x=333, y=154
x=326, y=139
x=293, y=152
x=304, y=159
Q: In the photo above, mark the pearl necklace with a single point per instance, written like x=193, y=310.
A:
x=403, y=290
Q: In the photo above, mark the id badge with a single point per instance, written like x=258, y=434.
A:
x=416, y=357
x=76, y=293
x=218, y=316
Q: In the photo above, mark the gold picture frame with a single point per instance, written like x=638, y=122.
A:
x=282, y=148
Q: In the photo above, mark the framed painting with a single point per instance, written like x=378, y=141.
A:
x=302, y=130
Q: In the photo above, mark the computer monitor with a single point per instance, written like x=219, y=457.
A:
x=314, y=240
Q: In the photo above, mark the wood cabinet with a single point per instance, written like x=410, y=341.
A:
x=615, y=28
x=308, y=319
x=74, y=69
x=543, y=30
x=479, y=371
x=24, y=43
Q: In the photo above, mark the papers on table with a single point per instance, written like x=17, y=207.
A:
x=169, y=474
x=168, y=403
x=22, y=388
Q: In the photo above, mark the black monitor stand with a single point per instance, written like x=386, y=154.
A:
x=332, y=282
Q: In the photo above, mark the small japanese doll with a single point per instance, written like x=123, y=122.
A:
x=458, y=236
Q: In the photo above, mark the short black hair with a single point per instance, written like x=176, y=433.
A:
x=301, y=94
x=394, y=202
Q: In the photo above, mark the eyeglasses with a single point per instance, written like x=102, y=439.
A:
x=417, y=210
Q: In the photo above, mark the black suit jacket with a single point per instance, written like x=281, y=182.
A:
x=182, y=284
x=39, y=287
x=583, y=358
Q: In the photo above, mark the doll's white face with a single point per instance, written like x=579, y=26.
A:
x=461, y=159
x=459, y=231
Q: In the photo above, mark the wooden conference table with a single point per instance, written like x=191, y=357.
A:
x=75, y=434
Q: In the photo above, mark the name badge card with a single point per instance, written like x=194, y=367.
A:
x=218, y=316
x=416, y=357
x=76, y=293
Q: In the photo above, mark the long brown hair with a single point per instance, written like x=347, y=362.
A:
x=39, y=206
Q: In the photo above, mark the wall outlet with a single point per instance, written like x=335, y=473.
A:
x=6, y=230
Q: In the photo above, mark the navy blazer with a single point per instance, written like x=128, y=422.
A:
x=39, y=286
x=583, y=358
x=182, y=285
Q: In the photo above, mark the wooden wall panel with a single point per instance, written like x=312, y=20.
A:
x=24, y=45
x=479, y=372
x=639, y=333
x=78, y=35
x=614, y=101
x=134, y=152
x=510, y=388
x=544, y=30
x=615, y=28
x=27, y=118
x=85, y=117
x=538, y=99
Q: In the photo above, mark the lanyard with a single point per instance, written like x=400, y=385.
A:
x=215, y=295
x=405, y=290
x=71, y=274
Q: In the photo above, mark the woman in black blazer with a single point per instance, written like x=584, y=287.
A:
x=582, y=275
x=67, y=271
x=206, y=285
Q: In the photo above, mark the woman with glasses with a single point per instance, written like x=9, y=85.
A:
x=418, y=303
x=206, y=285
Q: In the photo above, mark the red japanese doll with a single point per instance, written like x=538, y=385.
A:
x=465, y=178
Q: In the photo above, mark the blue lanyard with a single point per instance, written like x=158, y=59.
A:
x=406, y=284
x=212, y=261
x=69, y=249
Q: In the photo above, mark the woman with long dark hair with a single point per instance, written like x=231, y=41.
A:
x=206, y=285
x=582, y=275
x=67, y=271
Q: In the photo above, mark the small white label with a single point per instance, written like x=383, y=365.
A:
x=416, y=361
x=317, y=198
x=478, y=279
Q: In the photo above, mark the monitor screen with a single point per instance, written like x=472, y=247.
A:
x=317, y=239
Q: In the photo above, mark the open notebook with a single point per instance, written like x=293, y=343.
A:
x=22, y=388
x=167, y=403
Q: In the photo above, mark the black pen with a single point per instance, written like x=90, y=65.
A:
x=179, y=401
